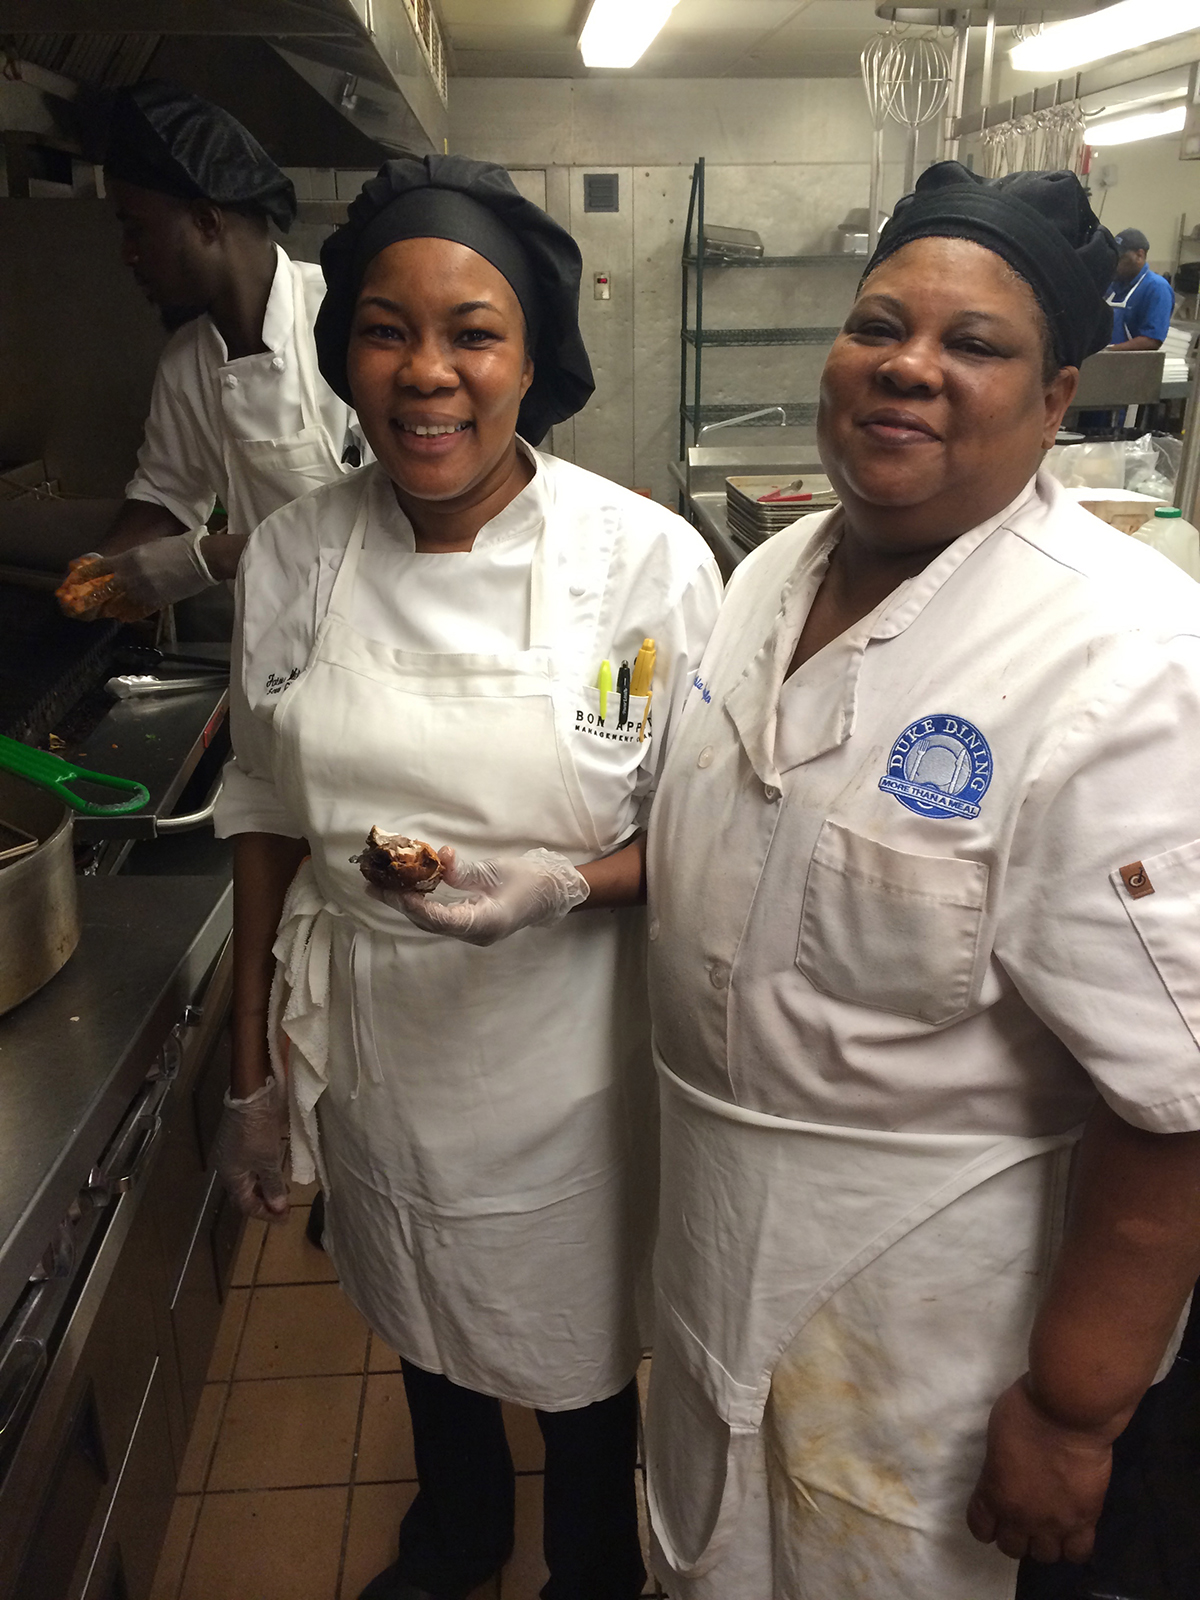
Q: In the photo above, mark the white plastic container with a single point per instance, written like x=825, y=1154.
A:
x=1167, y=532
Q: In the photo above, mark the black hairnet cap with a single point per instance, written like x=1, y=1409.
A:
x=1132, y=239
x=163, y=138
x=539, y=258
x=1040, y=223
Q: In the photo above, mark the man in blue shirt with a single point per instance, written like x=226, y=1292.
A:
x=1142, y=300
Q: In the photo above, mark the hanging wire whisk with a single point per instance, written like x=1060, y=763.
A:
x=878, y=86
x=916, y=78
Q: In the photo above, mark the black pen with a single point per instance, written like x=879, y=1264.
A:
x=623, y=691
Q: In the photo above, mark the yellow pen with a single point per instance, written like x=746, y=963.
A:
x=643, y=680
x=643, y=668
x=604, y=687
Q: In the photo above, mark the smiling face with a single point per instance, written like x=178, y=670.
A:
x=935, y=406
x=438, y=369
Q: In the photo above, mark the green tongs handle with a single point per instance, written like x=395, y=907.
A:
x=53, y=773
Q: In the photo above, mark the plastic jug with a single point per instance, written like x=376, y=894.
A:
x=1167, y=532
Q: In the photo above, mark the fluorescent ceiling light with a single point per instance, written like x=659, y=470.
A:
x=1115, y=30
x=618, y=32
x=1146, y=125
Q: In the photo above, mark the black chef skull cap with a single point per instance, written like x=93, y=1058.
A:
x=1132, y=239
x=1040, y=223
x=473, y=203
x=163, y=138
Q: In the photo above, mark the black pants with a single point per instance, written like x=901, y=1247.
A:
x=459, y=1529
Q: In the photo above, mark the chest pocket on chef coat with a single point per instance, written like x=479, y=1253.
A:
x=889, y=930
x=604, y=753
x=1164, y=914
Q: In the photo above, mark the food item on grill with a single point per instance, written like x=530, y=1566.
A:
x=83, y=589
x=392, y=861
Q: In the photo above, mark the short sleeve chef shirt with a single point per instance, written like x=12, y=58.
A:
x=201, y=398
x=1151, y=304
x=907, y=889
x=636, y=570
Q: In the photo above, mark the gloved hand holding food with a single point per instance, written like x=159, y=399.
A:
x=510, y=892
x=249, y=1150
x=138, y=581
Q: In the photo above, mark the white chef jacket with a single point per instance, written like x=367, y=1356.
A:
x=889, y=893
x=657, y=576
x=201, y=399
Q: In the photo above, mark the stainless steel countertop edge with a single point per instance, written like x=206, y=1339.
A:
x=23, y=1248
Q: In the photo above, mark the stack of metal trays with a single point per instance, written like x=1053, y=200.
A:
x=759, y=507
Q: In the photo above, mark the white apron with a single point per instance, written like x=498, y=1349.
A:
x=844, y=1304
x=264, y=474
x=483, y=1120
x=1122, y=304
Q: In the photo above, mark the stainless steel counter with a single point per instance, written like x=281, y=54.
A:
x=73, y=1055
x=711, y=518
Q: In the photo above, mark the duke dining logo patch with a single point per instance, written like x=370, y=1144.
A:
x=940, y=766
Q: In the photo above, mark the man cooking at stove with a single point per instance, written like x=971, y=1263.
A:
x=463, y=642
x=942, y=744
x=239, y=412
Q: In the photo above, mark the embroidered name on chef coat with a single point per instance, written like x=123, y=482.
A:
x=276, y=681
x=940, y=766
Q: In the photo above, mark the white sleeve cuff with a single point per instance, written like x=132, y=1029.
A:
x=251, y=805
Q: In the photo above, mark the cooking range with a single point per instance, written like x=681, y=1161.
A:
x=116, y=1243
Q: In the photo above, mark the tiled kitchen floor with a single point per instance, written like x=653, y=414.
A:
x=300, y=1464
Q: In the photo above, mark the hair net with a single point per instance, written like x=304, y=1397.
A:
x=165, y=139
x=1040, y=223
x=475, y=204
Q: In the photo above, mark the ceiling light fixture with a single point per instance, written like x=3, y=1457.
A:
x=1115, y=30
x=618, y=32
x=1146, y=125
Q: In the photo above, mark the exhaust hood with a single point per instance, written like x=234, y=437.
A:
x=380, y=65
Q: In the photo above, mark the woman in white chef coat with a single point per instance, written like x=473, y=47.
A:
x=942, y=743
x=239, y=412
x=419, y=649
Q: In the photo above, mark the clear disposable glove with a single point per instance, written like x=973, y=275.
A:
x=511, y=892
x=249, y=1151
x=139, y=581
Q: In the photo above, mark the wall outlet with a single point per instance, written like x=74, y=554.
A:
x=602, y=285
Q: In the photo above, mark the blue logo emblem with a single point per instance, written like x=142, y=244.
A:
x=940, y=766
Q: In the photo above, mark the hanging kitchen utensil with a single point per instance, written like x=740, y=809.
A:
x=915, y=76
x=878, y=86
x=56, y=775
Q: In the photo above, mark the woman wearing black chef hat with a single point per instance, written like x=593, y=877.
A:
x=946, y=755
x=420, y=650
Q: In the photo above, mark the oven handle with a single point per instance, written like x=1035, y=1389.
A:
x=192, y=820
x=106, y=1184
x=16, y=1385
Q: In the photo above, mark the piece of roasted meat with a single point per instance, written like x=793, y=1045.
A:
x=391, y=861
x=80, y=595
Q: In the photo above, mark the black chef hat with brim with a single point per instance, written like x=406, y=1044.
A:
x=476, y=204
x=1040, y=223
x=168, y=140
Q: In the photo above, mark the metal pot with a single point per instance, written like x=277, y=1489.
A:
x=39, y=908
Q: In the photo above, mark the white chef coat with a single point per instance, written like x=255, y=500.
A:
x=880, y=1023
x=860, y=962
x=202, y=401
x=477, y=602
x=482, y=1119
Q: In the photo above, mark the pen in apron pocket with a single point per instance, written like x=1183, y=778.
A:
x=643, y=680
x=603, y=688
